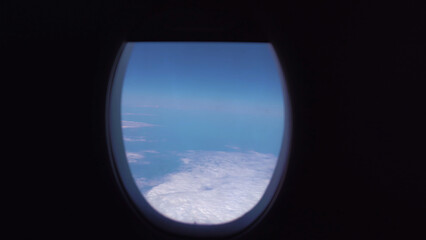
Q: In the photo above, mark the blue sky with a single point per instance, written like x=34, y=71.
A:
x=211, y=73
x=206, y=113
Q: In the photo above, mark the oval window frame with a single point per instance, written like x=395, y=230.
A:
x=129, y=189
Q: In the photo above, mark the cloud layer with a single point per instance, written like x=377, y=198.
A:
x=134, y=139
x=136, y=157
x=132, y=124
x=133, y=157
x=212, y=187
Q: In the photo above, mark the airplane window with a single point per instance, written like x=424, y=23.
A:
x=202, y=126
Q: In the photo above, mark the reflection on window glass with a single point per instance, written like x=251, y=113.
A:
x=202, y=126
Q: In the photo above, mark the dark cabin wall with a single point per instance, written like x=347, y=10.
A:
x=354, y=70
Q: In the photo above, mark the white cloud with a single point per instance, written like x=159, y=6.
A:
x=132, y=124
x=134, y=139
x=185, y=160
x=150, y=151
x=133, y=157
x=136, y=157
x=213, y=186
x=143, y=182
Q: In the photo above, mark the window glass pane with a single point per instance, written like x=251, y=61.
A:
x=202, y=126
